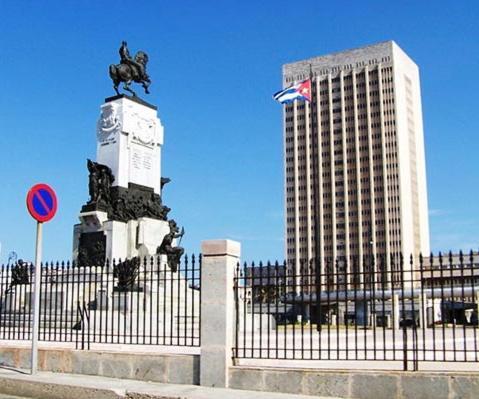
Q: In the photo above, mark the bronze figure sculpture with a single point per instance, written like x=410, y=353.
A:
x=166, y=248
x=21, y=273
x=99, y=185
x=122, y=204
x=127, y=274
x=130, y=70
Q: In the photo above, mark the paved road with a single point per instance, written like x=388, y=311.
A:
x=2, y=396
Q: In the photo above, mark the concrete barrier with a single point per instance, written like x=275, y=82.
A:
x=358, y=384
x=184, y=369
x=175, y=369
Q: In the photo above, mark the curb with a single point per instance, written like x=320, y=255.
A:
x=67, y=386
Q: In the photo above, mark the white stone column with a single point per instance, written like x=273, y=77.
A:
x=220, y=258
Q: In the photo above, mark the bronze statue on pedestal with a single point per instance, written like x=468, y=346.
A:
x=130, y=69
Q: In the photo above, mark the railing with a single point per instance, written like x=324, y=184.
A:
x=83, y=325
x=383, y=309
x=131, y=302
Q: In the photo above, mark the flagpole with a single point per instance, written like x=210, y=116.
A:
x=316, y=183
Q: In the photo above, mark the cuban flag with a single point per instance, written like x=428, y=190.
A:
x=299, y=91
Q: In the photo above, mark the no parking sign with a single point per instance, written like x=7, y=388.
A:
x=42, y=202
x=42, y=205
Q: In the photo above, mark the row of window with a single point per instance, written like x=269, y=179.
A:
x=348, y=70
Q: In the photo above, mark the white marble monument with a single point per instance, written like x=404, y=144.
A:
x=129, y=140
x=125, y=216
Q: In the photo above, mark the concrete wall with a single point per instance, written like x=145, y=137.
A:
x=175, y=369
x=184, y=369
x=358, y=384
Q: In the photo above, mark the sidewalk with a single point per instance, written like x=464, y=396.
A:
x=72, y=386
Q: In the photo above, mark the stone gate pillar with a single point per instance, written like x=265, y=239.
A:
x=219, y=261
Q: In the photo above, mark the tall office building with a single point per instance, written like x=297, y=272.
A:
x=354, y=158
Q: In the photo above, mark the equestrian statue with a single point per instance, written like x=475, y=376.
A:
x=130, y=70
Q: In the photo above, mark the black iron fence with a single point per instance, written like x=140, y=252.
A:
x=138, y=301
x=373, y=308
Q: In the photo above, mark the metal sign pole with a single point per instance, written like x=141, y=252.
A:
x=42, y=206
x=36, y=299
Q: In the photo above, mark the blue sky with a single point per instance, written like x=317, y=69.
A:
x=214, y=66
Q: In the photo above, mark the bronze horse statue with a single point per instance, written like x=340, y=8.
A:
x=130, y=70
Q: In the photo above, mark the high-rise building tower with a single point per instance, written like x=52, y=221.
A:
x=354, y=158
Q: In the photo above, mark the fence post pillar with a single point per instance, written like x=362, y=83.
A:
x=219, y=260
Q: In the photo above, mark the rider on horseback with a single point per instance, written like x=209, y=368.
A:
x=130, y=70
x=137, y=64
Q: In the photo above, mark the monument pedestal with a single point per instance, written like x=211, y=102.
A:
x=130, y=136
x=124, y=217
x=118, y=240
